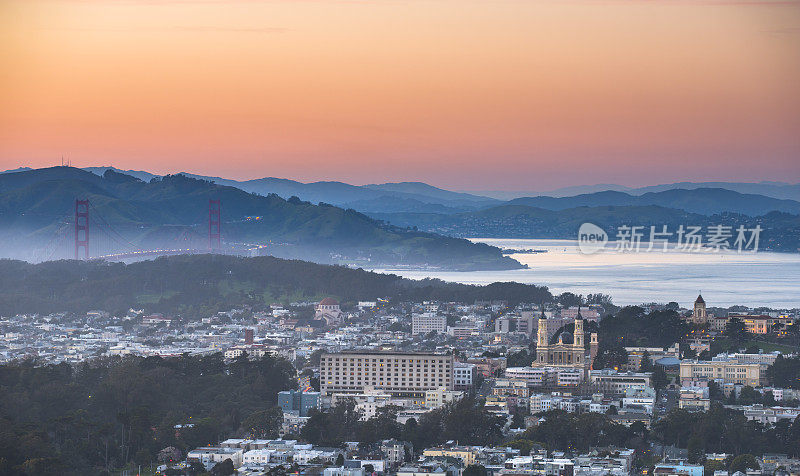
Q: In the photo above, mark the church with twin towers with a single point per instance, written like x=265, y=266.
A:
x=563, y=353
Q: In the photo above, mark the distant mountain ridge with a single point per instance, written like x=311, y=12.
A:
x=780, y=190
x=705, y=201
x=706, y=198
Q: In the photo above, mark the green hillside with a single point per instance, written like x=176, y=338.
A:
x=155, y=214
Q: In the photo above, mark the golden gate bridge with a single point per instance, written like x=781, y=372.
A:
x=88, y=235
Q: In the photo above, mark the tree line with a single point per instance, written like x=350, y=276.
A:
x=208, y=283
x=100, y=415
x=466, y=421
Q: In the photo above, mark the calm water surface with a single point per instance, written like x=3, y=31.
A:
x=725, y=279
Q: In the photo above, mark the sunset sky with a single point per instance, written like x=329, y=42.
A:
x=465, y=94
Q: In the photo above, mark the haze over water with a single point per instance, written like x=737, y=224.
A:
x=725, y=279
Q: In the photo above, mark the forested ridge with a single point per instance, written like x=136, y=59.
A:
x=186, y=284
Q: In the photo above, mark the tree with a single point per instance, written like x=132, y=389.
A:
x=647, y=365
x=715, y=391
x=397, y=327
x=223, y=468
x=769, y=398
x=340, y=460
x=82, y=412
x=474, y=470
x=785, y=373
x=688, y=353
x=632, y=326
x=519, y=359
x=743, y=463
x=749, y=396
x=611, y=357
x=314, y=358
x=731, y=400
x=660, y=379
x=568, y=299
x=695, y=450
x=524, y=446
x=43, y=466
x=713, y=465
x=736, y=330
x=263, y=423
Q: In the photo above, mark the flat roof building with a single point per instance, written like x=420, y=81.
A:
x=725, y=371
x=398, y=374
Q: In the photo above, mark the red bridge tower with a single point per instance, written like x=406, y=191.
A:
x=214, y=224
x=81, y=228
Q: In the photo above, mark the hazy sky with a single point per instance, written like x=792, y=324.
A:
x=468, y=94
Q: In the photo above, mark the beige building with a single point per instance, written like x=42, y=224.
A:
x=441, y=397
x=726, y=371
x=464, y=453
x=762, y=324
x=718, y=323
x=694, y=399
x=398, y=374
x=511, y=387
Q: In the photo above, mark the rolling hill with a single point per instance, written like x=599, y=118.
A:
x=781, y=231
x=705, y=201
x=36, y=203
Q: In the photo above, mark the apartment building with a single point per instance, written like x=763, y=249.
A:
x=211, y=455
x=464, y=375
x=694, y=399
x=441, y=396
x=511, y=387
x=300, y=402
x=547, y=376
x=725, y=371
x=398, y=374
x=613, y=382
x=428, y=322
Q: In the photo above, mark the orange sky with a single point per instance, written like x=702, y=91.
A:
x=469, y=94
